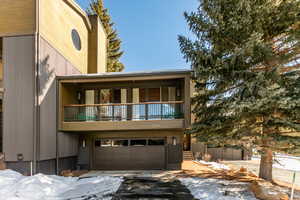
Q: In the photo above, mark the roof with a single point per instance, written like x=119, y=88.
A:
x=125, y=74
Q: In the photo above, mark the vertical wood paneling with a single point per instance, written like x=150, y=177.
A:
x=19, y=97
x=97, y=47
x=52, y=63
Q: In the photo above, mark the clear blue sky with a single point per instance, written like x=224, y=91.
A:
x=149, y=31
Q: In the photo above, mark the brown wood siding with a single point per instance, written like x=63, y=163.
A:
x=17, y=17
x=18, y=101
x=149, y=94
x=154, y=94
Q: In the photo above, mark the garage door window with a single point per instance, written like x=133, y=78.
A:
x=120, y=143
x=156, y=142
x=138, y=142
x=98, y=143
x=106, y=143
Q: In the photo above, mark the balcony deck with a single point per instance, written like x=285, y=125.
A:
x=127, y=116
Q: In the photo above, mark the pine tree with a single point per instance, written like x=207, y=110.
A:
x=246, y=71
x=114, y=52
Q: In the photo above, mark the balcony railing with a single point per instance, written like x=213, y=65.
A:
x=124, y=112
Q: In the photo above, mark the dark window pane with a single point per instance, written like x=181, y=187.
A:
x=120, y=143
x=98, y=143
x=106, y=143
x=76, y=39
x=138, y=142
x=156, y=142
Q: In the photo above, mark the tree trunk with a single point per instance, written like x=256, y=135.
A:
x=266, y=162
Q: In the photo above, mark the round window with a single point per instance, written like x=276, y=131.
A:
x=76, y=40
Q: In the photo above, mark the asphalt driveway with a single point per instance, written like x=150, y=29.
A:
x=147, y=188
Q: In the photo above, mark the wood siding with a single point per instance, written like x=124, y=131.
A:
x=97, y=47
x=17, y=17
x=52, y=63
x=123, y=125
x=57, y=19
x=68, y=144
x=18, y=102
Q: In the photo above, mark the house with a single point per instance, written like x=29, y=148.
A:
x=61, y=110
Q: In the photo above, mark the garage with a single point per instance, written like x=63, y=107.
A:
x=130, y=154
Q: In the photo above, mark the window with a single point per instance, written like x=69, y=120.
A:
x=76, y=39
x=103, y=143
x=138, y=142
x=98, y=143
x=120, y=143
x=106, y=143
x=156, y=142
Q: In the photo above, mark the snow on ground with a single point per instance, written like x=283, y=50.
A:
x=215, y=189
x=214, y=165
x=14, y=186
x=284, y=162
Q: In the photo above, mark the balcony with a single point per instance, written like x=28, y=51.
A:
x=128, y=116
x=124, y=112
x=118, y=102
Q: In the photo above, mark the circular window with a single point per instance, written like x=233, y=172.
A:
x=76, y=39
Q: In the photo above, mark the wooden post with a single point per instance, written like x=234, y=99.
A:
x=129, y=100
x=293, y=186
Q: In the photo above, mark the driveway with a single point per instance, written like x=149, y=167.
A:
x=147, y=188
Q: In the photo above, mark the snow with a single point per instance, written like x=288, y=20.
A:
x=215, y=189
x=14, y=186
x=284, y=162
x=214, y=165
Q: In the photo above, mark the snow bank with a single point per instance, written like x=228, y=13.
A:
x=215, y=189
x=284, y=162
x=214, y=165
x=14, y=186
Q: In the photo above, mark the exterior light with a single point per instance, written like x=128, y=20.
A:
x=178, y=93
x=20, y=157
x=83, y=143
x=78, y=96
x=174, y=141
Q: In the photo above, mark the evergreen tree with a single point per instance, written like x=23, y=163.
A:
x=246, y=71
x=114, y=43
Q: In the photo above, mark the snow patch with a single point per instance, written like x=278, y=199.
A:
x=214, y=165
x=14, y=186
x=284, y=162
x=215, y=189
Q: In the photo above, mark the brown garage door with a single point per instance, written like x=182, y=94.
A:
x=129, y=154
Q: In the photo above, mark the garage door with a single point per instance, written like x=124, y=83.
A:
x=129, y=154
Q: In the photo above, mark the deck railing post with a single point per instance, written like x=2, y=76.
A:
x=146, y=112
x=113, y=113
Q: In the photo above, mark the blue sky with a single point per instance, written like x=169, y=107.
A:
x=149, y=31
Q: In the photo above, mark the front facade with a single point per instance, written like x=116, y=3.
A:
x=55, y=116
x=126, y=121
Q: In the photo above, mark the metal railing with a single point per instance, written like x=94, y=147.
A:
x=124, y=112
